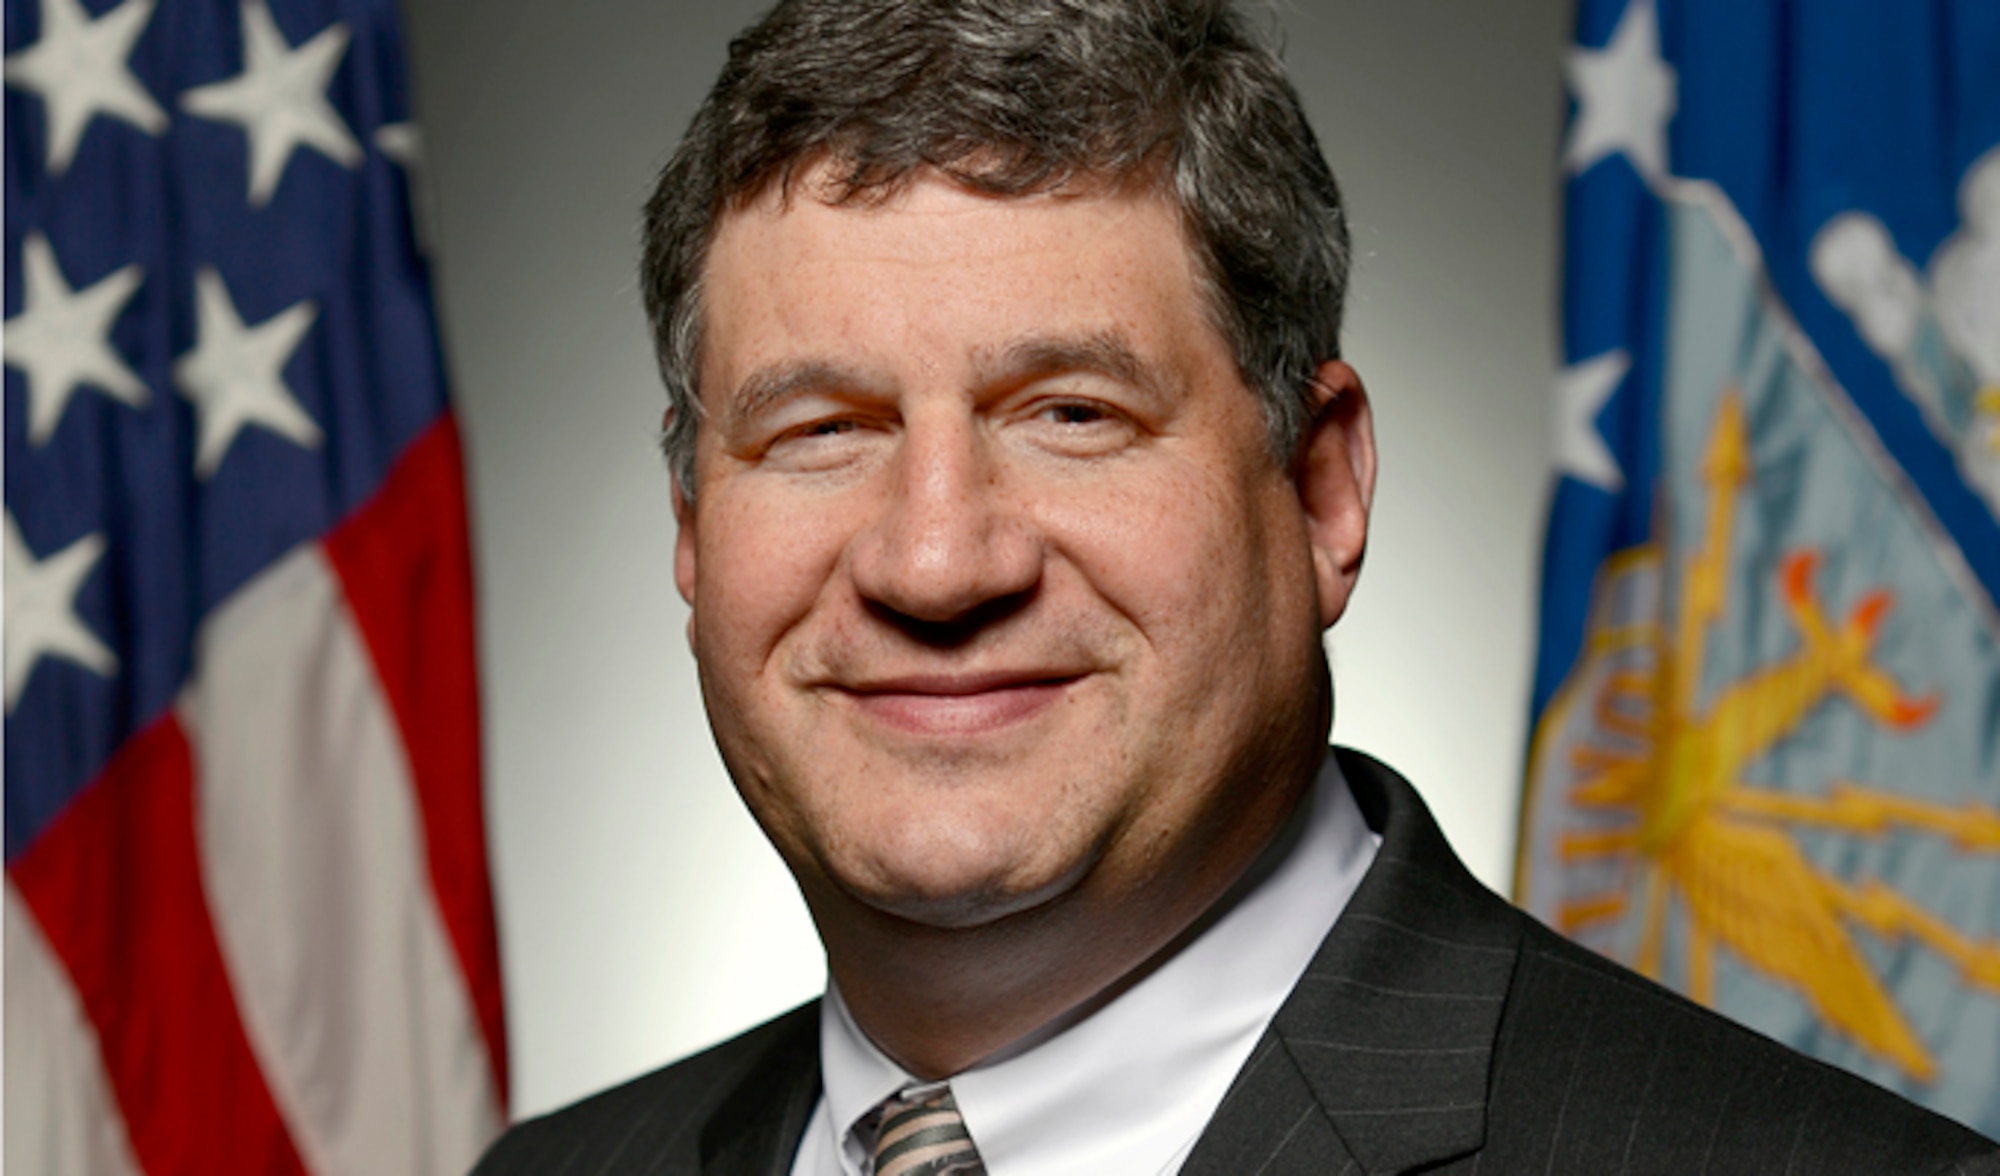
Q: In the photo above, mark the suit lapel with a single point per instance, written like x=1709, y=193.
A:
x=1270, y=1123
x=1391, y=1030
x=755, y=1131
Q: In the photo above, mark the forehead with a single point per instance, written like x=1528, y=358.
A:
x=939, y=277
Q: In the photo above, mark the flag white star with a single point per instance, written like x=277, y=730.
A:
x=61, y=340
x=1625, y=96
x=40, y=604
x=1581, y=391
x=79, y=68
x=235, y=377
x=403, y=144
x=280, y=99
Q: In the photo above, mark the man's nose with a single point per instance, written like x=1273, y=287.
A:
x=948, y=542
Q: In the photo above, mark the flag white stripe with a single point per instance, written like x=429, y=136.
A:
x=312, y=857
x=60, y=1117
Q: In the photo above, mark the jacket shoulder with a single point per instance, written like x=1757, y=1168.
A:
x=655, y=1122
x=1594, y=1068
x=1599, y=1059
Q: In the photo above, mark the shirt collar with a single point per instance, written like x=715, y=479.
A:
x=1113, y=1091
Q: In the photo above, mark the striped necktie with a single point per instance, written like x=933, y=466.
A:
x=920, y=1134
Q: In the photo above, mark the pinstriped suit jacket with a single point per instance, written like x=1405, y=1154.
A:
x=1438, y=1030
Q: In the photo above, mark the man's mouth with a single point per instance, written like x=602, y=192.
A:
x=960, y=704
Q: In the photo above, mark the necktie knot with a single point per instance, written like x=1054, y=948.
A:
x=920, y=1133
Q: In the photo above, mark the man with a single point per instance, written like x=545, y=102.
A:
x=1017, y=477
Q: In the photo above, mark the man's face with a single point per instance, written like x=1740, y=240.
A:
x=997, y=588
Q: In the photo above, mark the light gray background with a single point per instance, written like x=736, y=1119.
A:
x=642, y=915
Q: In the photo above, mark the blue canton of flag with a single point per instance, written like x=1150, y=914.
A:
x=247, y=916
x=1766, y=756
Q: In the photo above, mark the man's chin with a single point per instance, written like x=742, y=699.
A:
x=962, y=901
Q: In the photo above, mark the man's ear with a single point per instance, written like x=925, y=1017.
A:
x=1335, y=476
x=684, y=535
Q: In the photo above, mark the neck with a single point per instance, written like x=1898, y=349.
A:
x=939, y=1000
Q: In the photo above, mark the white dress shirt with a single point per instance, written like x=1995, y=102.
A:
x=1129, y=1087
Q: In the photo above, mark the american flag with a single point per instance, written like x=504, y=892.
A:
x=248, y=923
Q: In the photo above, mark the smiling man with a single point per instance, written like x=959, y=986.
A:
x=1018, y=477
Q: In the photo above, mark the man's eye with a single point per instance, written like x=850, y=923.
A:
x=831, y=427
x=1079, y=428
x=822, y=444
x=1076, y=414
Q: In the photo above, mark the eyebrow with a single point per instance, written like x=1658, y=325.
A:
x=769, y=385
x=1105, y=353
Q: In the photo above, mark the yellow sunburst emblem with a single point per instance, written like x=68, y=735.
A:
x=1665, y=777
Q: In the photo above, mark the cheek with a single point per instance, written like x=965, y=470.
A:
x=1187, y=561
x=760, y=568
x=761, y=573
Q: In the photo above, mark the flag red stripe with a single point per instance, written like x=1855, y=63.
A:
x=405, y=564
x=116, y=885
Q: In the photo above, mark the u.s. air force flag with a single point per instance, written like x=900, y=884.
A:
x=247, y=920
x=1766, y=757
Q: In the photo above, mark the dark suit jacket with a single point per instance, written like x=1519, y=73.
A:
x=1437, y=1030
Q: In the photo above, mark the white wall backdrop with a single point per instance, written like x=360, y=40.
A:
x=642, y=915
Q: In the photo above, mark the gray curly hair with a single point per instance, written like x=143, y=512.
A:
x=1013, y=97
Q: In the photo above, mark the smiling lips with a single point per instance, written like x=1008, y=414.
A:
x=959, y=704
